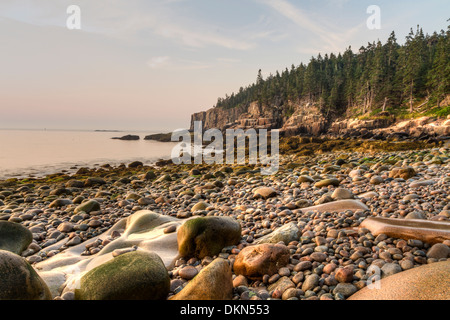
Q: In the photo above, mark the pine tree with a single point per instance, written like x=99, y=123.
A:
x=439, y=75
x=378, y=76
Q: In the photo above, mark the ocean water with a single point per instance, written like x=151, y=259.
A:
x=36, y=153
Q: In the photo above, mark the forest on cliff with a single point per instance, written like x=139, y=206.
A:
x=378, y=77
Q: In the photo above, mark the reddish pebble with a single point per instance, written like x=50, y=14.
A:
x=344, y=275
x=277, y=294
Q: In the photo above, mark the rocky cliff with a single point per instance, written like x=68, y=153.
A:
x=305, y=118
x=291, y=119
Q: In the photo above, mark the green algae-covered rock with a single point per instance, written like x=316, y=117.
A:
x=14, y=237
x=136, y=275
x=88, y=206
x=19, y=281
x=207, y=236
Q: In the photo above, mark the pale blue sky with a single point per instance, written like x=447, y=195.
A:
x=149, y=64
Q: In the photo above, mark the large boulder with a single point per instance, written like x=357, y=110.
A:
x=256, y=261
x=144, y=230
x=424, y=230
x=58, y=203
x=214, y=282
x=265, y=192
x=94, y=181
x=150, y=175
x=135, y=275
x=438, y=251
x=287, y=233
x=19, y=281
x=342, y=194
x=404, y=173
x=199, y=206
x=14, y=237
x=207, y=236
x=337, y=206
x=427, y=282
x=421, y=183
x=88, y=206
x=327, y=182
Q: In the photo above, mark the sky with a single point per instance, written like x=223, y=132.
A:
x=149, y=64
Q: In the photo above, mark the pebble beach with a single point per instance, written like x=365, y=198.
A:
x=226, y=232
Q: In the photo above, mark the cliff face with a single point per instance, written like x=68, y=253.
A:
x=304, y=118
x=300, y=118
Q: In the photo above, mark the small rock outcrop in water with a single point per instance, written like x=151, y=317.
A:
x=161, y=137
x=128, y=137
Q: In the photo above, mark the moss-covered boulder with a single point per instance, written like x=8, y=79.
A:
x=207, y=236
x=19, y=281
x=136, y=275
x=88, y=206
x=14, y=237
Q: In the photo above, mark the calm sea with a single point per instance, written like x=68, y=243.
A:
x=36, y=153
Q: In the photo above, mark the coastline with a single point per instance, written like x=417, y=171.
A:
x=37, y=153
x=310, y=212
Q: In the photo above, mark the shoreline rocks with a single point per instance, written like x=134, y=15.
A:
x=330, y=249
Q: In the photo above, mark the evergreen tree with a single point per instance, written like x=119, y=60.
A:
x=377, y=76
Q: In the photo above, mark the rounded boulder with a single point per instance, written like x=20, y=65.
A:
x=19, y=281
x=207, y=236
x=256, y=261
x=136, y=275
x=14, y=237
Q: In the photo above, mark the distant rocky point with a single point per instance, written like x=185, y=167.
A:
x=127, y=138
x=161, y=137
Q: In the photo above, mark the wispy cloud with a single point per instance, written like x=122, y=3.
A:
x=158, y=62
x=301, y=19
x=200, y=39
x=169, y=63
x=332, y=37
